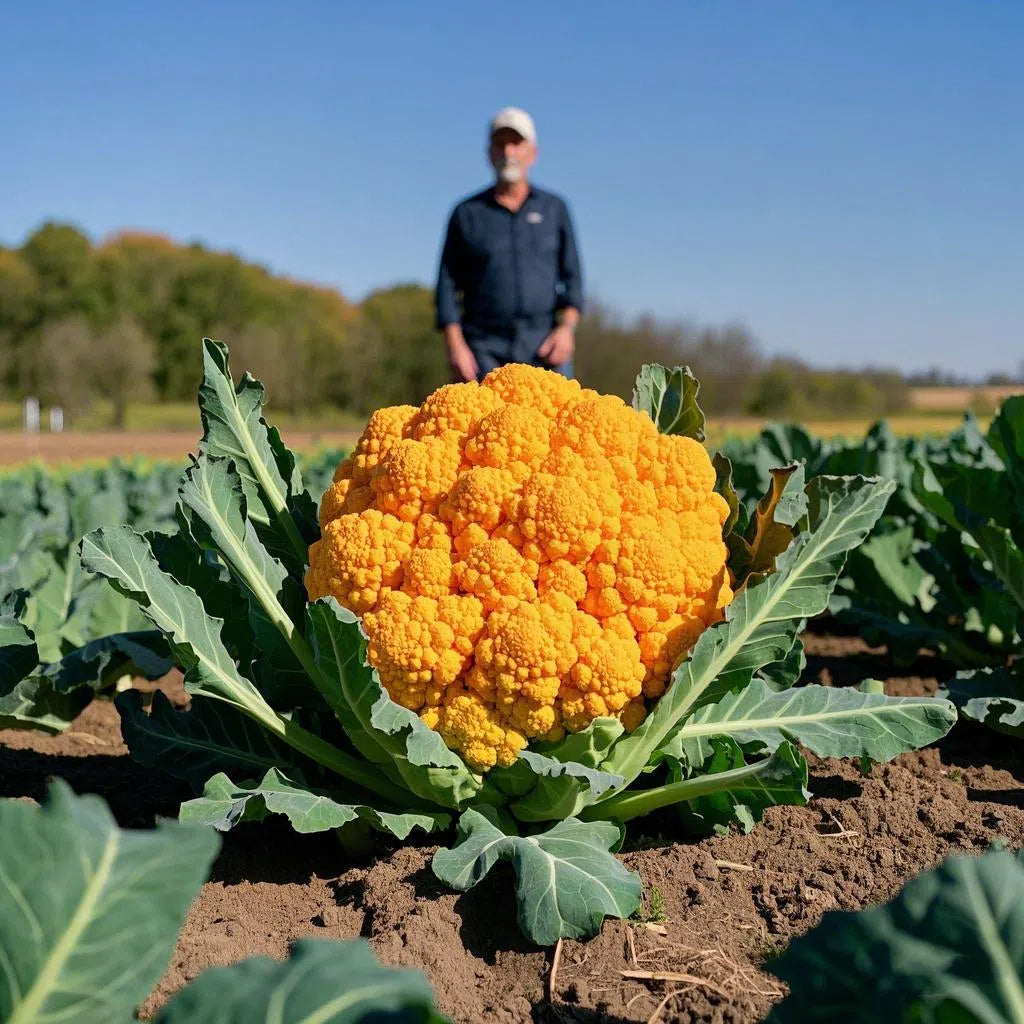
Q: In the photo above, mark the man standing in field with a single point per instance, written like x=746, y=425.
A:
x=509, y=288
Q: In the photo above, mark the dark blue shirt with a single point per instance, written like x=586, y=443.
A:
x=508, y=267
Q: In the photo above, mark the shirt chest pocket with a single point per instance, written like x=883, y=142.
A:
x=543, y=238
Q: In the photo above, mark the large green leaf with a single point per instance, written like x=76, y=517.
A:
x=384, y=732
x=587, y=747
x=193, y=745
x=214, y=509
x=566, y=880
x=724, y=487
x=669, y=397
x=56, y=615
x=20, y=528
x=761, y=623
x=781, y=675
x=897, y=572
x=968, y=444
x=62, y=606
x=50, y=697
x=26, y=573
x=829, y=721
x=1007, y=560
x=962, y=495
x=96, y=498
x=181, y=556
x=67, y=607
x=233, y=427
x=321, y=982
x=555, y=789
x=1006, y=435
x=126, y=558
x=99, y=662
x=18, y=651
x=992, y=697
x=90, y=913
x=110, y=614
x=949, y=948
x=33, y=703
x=725, y=786
x=224, y=804
x=54, y=695
x=558, y=775
x=779, y=779
x=29, y=700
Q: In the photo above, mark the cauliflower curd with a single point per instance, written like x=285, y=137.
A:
x=526, y=555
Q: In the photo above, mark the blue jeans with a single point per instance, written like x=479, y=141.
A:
x=493, y=350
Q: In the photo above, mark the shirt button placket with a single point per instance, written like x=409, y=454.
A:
x=516, y=269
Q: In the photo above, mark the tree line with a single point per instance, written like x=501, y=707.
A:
x=121, y=320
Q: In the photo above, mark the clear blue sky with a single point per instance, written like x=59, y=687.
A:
x=845, y=179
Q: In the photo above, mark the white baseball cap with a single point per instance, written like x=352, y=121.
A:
x=516, y=119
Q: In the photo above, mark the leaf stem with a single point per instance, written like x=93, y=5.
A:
x=276, y=500
x=1003, y=966
x=232, y=547
x=625, y=806
x=823, y=547
x=362, y=773
x=48, y=981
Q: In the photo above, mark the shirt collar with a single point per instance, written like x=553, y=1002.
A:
x=493, y=199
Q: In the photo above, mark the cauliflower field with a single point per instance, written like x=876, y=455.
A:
x=512, y=622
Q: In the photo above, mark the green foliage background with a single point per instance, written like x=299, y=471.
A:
x=120, y=320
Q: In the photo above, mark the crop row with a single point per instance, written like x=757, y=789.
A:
x=522, y=612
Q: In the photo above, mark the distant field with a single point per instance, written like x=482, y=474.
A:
x=82, y=445
x=161, y=417
x=949, y=399
x=929, y=406
x=904, y=426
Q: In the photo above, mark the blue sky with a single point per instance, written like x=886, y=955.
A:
x=842, y=179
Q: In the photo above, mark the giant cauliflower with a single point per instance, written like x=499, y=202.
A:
x=526, y=555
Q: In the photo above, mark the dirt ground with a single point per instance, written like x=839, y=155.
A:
x=17, y=447
x=728, y=902
x=75, y=446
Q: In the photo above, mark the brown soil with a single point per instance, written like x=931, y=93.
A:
x=72, y=446
x=728, y=902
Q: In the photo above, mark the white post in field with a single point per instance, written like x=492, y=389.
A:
x=31, y=417
x=56, y=419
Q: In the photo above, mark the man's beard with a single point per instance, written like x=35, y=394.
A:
x=509, y=172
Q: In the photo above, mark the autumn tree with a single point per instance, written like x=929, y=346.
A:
x=120, y=366
x=139, y=304
x=401, y=358
x=58, y=367
x=17, y=313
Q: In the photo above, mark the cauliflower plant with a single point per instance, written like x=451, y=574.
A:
x=526, y=555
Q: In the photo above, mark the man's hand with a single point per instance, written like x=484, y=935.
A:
x=558, y=346
x=460, y=355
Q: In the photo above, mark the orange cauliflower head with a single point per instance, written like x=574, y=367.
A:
x=526, y=556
